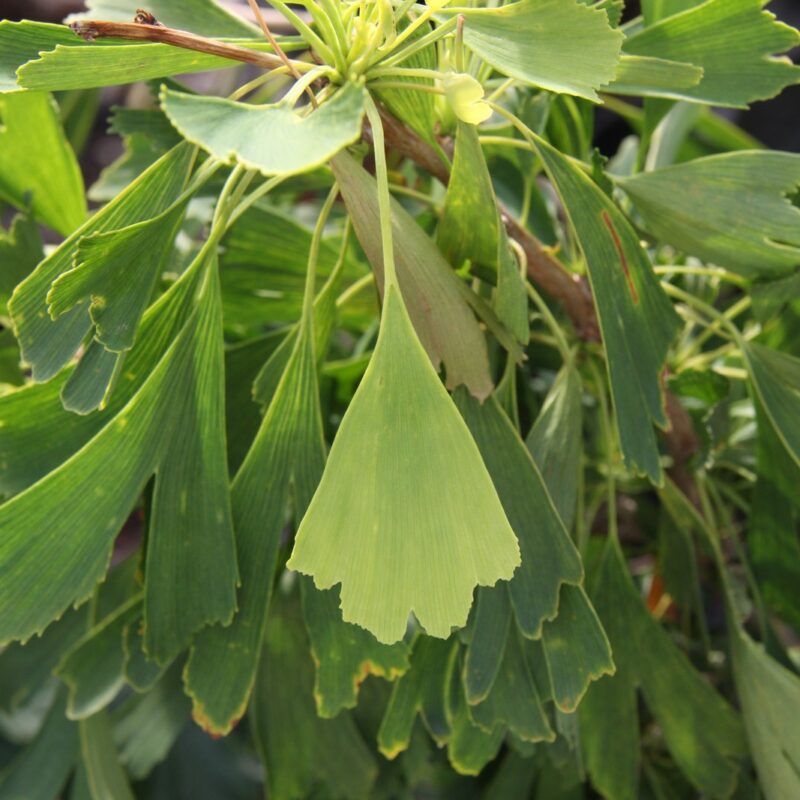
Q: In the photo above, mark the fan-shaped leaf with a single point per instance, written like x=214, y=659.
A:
x=274, y=139
x=427, y=526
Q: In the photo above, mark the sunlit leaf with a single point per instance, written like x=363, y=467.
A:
x=405, y=517
x=344, y=654
x=38, y=170
x=560, y=45
x=733, y=41
x=206, y=17
x=729, y=209
x=274, y=139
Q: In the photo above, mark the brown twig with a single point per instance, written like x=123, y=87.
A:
x=132, y=31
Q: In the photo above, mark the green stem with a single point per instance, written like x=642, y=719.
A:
x=384, y=198
x=607, y=428
x=313, y=254
x=398, y=56
x=705, y=308
x=312, y=39
x=355, y=288
x=729, y=314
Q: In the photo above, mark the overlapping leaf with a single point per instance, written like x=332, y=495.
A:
x=636, y=318
x=405, y=517
x=274, y=139
x=729, y=209
x=38, y=169
x=450, y=334
x=733, y=41
x=560, y=45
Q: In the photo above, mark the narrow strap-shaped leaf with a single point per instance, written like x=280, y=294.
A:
x=273, y=139
x=190, y=538
x=297, y=747
x=93, y=667
x=549, y=558
x=105, y=776
x=487, y=644
x=636, y=318
x=289, y=446
x=470, y=747
x=654, y=77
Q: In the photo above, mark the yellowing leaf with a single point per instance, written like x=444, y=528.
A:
x=405, y=517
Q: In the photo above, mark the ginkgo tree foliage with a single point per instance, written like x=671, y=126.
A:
x=365, y=432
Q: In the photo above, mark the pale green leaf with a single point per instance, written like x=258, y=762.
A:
x=84, y=65
x=206, y=17
x=654, y=77
x=432, y=293
x=560, y=45
x=770, y=697
x=38, y=169
x=471, y=230
x=117, y=272
x=730, y=209
x=22, y=41
x=274, y=139
x=46, y=344
x=297, y=747
x=289, y=448
x=549, y=558
x=733, y=41
x=655, y=10
x=405, y=517
x=637, y=320
x=776, y=379
x=344, y=654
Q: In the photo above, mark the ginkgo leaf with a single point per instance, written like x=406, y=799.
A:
x=776, y=378
x=104, y=773
x=770, y=697
x=433, y=295
x=654, y=77
x=206, y=17
x=117, y=272
x=427, y=526
x=47, y=344
x=730, y=209
x=274, y=139
x=549, y=558
x=115, y=464
x=487, y=643
x=637, y=320
x=733, y=41
x=344, y=654
x=421, y=690
x=22, y=41
x=38, y=169
x=560, y=45
x=288, y=449
x=471, y=230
